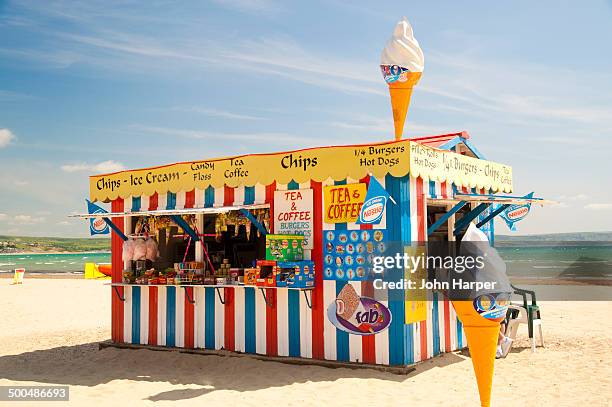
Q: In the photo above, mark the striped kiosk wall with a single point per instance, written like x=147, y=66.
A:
x=158, y=315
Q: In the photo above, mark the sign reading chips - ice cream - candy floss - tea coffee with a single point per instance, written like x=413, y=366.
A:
x=293, y=214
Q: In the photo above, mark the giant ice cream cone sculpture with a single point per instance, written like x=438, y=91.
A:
x=401, y=63
x=481, y=335
x=480, y=313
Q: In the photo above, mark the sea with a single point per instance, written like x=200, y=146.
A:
x=52, y=263
x=576, y=261
x=569, y=261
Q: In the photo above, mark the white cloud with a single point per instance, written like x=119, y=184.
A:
x=384, y=125
x=100, y=168
x=26, y=220
x=577, y=197
x=559, y=205
x=20, y=183
x=216, y=113
x=599, y=206
x=258, y=137
x=3, y=216
x=249, y=6
x=9, y=96
x=6, y=137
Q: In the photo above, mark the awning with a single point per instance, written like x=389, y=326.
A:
x=171, y=212
x=485, y=201
x=490, y=198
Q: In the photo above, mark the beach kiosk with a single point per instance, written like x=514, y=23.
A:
x=263, y=253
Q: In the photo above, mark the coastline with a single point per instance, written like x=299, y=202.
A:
x=55, y=252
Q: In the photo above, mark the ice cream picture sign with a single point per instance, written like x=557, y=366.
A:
x=358, y=315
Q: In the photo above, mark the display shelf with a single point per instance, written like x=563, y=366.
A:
x=305, y=290
x=209, y=286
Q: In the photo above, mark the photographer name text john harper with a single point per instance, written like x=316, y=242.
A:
x=457, y=284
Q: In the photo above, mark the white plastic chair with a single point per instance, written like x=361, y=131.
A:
x=522, y=318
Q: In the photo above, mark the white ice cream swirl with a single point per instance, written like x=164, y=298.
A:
x=403, y=49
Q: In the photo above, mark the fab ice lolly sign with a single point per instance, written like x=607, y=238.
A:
x=358, y=315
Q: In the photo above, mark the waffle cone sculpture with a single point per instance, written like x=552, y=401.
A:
x=482, y=311
x=481, y=335
x=401, y=93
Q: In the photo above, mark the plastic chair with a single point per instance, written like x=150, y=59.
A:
x=528, y=314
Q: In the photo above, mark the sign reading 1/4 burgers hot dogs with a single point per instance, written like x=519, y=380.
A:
x=342, y=203
x=293, y=214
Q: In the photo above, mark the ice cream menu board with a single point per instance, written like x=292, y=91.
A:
x=348, y=254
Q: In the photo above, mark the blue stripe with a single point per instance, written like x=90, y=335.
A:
x=135, y=314
x=209, y=197
x=436, y=327
x=170, y=200
x=432, y=189
x=396, y=297
x=459, y=334
x=406, y=232
x=342, y=340
x=136, y=203
x=209, y=318
x=294, y=323
x=492, y=228
x=294, y=308
x=250, y=329
x=249, y=195
x=170, y=315
x=409, y=344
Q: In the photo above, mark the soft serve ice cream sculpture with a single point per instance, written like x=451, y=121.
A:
x=402, y=64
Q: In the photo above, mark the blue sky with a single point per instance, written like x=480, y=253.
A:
x=87, y=87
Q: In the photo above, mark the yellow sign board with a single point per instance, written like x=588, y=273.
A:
x=415, y=297
x=393, y=158
x=342, y=203
x=443, y=165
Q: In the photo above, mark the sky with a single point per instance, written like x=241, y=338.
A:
x=98, y=86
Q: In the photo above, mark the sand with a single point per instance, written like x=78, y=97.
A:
x=50, y=330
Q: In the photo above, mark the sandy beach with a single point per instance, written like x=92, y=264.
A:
x=50, y=331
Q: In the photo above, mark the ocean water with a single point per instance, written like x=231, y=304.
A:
x=51, y=263
x=575, y=261
x=582, y=262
